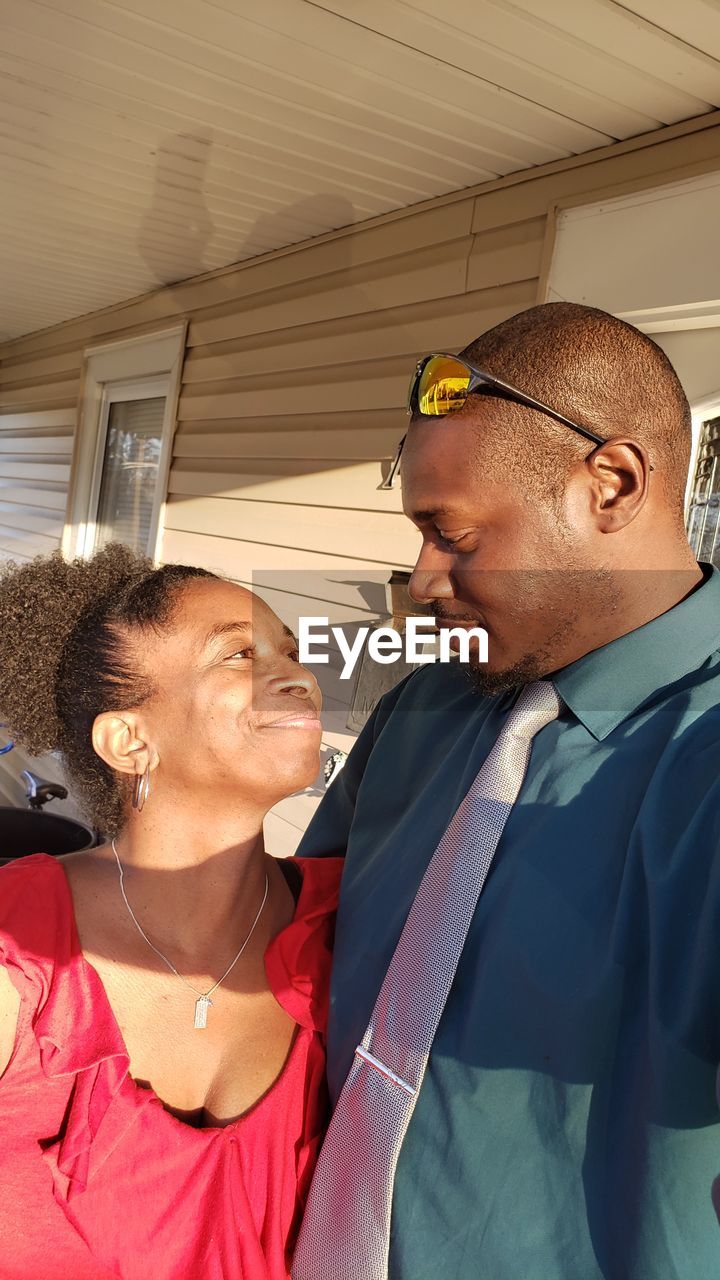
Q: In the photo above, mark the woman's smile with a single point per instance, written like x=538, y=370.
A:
x=297, y=721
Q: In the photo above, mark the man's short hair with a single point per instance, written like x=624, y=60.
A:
x=598, y=370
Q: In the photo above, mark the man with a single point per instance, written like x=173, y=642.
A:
x=567, y=1126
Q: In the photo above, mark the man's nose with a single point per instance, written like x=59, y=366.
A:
x=430, y=579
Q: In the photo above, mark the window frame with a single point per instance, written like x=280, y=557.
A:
x=124, y=369
x=708, y=413
x=121, y=393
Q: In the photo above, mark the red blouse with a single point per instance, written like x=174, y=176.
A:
x=97, y=1179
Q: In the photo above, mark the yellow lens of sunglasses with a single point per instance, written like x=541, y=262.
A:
x=443, y=386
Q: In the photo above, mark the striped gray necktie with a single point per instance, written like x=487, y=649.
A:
x=346, y=1230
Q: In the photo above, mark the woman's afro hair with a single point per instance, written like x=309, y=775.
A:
x=67, y=656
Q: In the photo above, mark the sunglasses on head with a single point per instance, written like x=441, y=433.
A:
x=441, y=385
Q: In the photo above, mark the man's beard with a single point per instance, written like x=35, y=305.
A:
x=594, y=589
x=490, y=683
x=538, y=665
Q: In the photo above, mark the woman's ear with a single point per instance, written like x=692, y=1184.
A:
x=119, y=741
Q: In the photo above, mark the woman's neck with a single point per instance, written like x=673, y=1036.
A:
x=191, y=880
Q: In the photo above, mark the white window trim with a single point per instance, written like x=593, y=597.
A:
x=117, y=393
x=613, y=262
x=115, y=370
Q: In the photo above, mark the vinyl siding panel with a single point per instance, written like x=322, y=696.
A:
x=293, y=388
x=335, y=444
x=310, y=484
x=27, y=399
x=47, y=445
x=35, y=449
x=316, y=529
x=15, y=467
x=394, y=331
x=60, y=420
x=23, y=372
x=48, y=497
x=239, y=558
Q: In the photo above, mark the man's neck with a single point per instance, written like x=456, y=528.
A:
x=635, y=598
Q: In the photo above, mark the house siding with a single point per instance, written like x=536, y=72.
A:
x=294, y=383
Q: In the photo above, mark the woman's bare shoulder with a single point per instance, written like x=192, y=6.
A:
x=9, y=1010
x=28, y=889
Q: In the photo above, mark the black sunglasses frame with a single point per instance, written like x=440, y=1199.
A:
x=479, y=382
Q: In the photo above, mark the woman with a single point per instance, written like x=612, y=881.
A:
x=163, y=996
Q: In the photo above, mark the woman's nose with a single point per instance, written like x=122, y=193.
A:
x=295, y=679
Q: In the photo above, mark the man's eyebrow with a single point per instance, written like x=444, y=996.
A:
x=288, y=631
x=433, y=515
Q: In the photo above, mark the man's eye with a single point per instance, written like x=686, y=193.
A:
x=242, y=653
x=294, y=654
x=452, y=539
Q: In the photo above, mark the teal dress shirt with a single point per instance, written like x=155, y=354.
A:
x=568, y=1126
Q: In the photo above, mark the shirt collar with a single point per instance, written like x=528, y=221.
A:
x=605, y=686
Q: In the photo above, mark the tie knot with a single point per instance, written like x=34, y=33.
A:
x=538, y=704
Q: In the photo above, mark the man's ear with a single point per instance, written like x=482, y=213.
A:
x=118, y=739
x=619, y=472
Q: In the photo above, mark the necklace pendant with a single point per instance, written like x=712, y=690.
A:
x=202, y=1004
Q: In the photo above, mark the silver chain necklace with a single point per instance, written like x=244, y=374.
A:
x=203, y=1002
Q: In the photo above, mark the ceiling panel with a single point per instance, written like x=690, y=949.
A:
x=146, y=141
x=695, y=22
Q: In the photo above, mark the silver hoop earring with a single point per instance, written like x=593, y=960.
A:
x=141, y=789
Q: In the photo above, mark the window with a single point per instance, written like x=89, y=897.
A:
x=704, y=506
x=126, y=496
x=124, y=444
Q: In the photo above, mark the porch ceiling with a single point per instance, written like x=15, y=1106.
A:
x=145, y=141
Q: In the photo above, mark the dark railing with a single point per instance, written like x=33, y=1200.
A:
x=30, y=830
